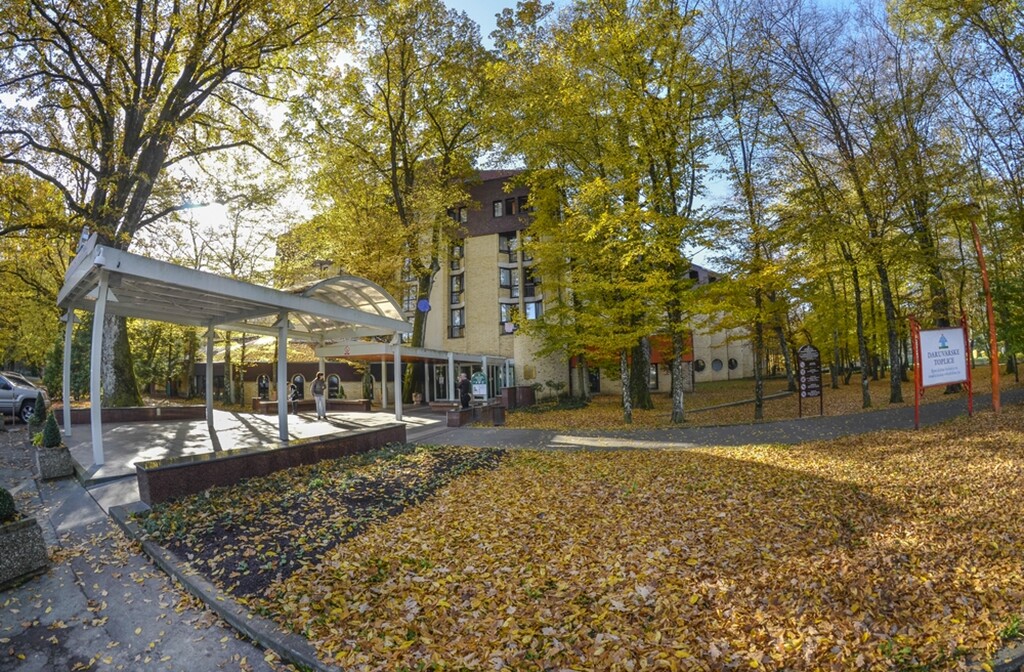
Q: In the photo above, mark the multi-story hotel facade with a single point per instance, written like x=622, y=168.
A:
x=487, y=281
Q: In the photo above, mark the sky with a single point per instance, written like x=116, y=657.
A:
x=483, y=12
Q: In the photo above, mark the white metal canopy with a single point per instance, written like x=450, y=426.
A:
x=104, y=279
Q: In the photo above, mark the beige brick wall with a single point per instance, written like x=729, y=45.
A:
x=532, y=369
x=482, y=334
x=723, y=346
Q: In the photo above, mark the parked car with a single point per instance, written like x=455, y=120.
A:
x=18, y=396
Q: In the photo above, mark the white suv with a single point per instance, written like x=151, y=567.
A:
x=18, y=396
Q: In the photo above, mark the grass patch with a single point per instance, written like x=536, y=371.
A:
x=605, y=410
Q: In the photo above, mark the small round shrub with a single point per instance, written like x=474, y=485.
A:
x=51, y=433
x=7, y=509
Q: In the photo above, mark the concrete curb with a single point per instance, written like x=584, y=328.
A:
x=744, y=402
x=290, y=647
x=1009, y=659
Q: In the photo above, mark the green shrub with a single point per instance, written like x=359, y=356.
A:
x=51, y=433
x=7, y=509
x=38, y=411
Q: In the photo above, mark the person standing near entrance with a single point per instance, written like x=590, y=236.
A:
x=318, y=387
x=465, y=390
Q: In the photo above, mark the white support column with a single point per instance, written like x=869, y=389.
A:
x=68, y=327
x=451, y=376
x=95, y=370
x=398, y=380
x=209, y=374
x=383, y=382
x=282, y=376
x=322, y=360
x=427, y=383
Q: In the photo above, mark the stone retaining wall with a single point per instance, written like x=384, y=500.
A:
x=81, y=416
x=163, y=480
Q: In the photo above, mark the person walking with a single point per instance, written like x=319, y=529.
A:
x=293, y=397
x=465, y=390
x=318, y=387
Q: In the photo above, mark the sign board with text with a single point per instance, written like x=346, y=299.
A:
x=941, y=357
x=479, y=381
x=808, y=359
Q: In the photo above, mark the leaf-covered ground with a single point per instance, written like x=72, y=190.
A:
x=605, y=411
x=898, y=550
x=262, y=530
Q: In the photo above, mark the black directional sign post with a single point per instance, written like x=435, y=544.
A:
x=809, y=367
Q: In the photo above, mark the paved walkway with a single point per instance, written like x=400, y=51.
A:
x=782, y=431
x=103, y=605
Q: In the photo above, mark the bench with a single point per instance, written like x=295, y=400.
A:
x=267, y=407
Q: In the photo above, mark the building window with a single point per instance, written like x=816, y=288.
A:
x=407, y=273
x=463, y=214
x=456, y=288
x=716, y=364
x=699, y=365
x=521, y=205
x=508, y=278
x=409, y=299
x=510, y=206
x=499, y=209
x=507, y=243
x=534, y=310
x=652, y=378
x=456, y=323
x=455, y=254
x=509, y=312
x=529, y=283
x=733, y=364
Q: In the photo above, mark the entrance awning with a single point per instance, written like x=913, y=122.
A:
x=104, y=279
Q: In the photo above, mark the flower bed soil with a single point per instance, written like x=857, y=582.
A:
x=244, y=538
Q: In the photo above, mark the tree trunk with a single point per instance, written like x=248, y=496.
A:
x=583, y=376
x=678, y=352
x=784, y=346
x=229, y=371
x=118, y=374
x=412, y=378
x=892, y=335
x=759, y=357
x=190, y=363
x=640, y=390
x=627, y=402
x=836, y=361
x=862, y=344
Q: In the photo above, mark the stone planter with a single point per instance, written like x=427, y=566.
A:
x=54, y=462
x=22, y=552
